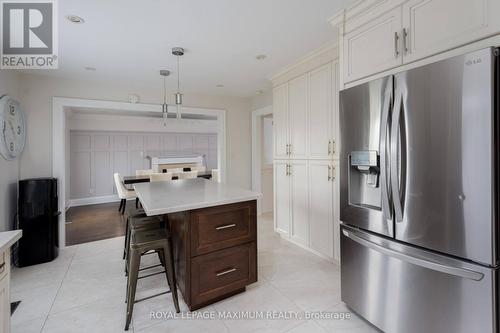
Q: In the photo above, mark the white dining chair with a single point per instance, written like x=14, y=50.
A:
x=123, y=193
x=215, y=175
x=160, y=177
x=199, y=168
x=188, y=175
x=175, y=170
x=145, y=172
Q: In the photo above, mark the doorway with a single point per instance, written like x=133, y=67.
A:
x=262, y=158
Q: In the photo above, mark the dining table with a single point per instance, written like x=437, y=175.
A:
x=213, y=227
x=130, y=180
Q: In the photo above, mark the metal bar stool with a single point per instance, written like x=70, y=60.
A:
x=140, y=222
x=143, y=241
x=138, y=213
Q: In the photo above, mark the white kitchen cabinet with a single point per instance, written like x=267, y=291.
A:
x=322, y=177
x=321, y=112
x=291, y=200
x=373, y=47
x=7, y=239
x=382, y=37
x=4, y=305
x=434, y=26
x=282, y=202
x=298, y=117
x=298, y=174
x=281, y=125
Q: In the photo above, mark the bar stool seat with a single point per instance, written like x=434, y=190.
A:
x=139, y=222
x=142, y=241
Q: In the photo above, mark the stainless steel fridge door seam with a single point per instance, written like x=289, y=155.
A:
x=415, y=260
x=398, y=141
x=385, y=174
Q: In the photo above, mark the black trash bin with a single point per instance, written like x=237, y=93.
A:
x=38, y=217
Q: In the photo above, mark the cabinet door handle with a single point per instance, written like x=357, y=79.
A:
x=289, y=169
x=333, y=173
x=396, y=42
x=405, y=41
x=290, y=149
x=329, y=147
x=2, y=267
x=227, y=226
x=227, y=271
x=329, y=173
x=286, y=170
x=334, y=147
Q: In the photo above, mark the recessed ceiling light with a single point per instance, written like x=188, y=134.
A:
x=220, y=86
x=88, y=68
x=75, y=19
x=259, y=92
x=261, y=57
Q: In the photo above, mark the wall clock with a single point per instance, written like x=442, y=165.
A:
x=13, y=128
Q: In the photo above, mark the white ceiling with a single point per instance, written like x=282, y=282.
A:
x=131, y=40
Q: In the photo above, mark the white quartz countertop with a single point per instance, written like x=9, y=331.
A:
x=7, y=238
x=159, y=198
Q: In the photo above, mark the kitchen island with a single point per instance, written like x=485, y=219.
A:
x=214, y=235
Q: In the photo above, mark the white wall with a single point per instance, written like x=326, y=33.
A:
x=9, y=170
x=37, y=92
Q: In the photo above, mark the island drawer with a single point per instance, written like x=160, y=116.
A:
x=222, y=272
x=224, y=226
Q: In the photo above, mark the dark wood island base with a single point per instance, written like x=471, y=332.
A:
x=215, y=251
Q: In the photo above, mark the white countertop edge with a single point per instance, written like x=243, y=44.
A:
x=7, y=238
x=183, y=208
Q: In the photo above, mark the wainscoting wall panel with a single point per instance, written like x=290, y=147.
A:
x=95, y=156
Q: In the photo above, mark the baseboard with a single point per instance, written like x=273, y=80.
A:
x=94, y=200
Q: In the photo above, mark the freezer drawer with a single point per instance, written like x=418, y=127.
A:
x=399, y=288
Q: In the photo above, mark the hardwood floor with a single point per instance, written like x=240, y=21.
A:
x=95, y=222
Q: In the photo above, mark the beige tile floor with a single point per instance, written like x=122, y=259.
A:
x=83, y=291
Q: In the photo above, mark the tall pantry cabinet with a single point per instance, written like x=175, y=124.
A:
x=306, y=134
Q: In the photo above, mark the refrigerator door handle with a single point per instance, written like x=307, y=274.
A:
x=384, y=149
x=415, y=260
x=396, y=178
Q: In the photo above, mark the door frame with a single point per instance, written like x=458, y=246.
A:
x=257, y=150
x=59, y=145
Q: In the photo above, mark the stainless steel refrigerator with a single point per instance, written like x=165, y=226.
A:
x=419, y=197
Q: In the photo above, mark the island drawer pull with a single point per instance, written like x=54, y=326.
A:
x=227, y=226
x=2, y=267
x=226, y=271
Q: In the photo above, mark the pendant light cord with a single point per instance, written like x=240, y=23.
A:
x=178, y=74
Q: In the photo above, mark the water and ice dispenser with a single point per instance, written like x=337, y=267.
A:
x=364, y=179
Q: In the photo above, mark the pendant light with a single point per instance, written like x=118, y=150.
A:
x=164, y=106
x=178, y=52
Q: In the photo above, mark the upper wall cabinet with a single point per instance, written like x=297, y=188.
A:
x=397, y=32
x=298, y=106
x=321, y=111
x=280, y=115
x=433, y=26
x=373, y=47
x=305, y=115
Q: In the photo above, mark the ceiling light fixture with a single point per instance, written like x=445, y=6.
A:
x=220, y=85
x=178, y=52
x=164, y=106
x=261, y=57
x=75, y=19
x=89, y=68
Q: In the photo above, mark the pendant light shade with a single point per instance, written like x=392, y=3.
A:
x=178, y=52
x=164, y=106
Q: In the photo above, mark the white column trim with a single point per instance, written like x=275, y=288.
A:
x=257, y=151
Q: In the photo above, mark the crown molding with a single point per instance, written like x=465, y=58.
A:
x=329, y=51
